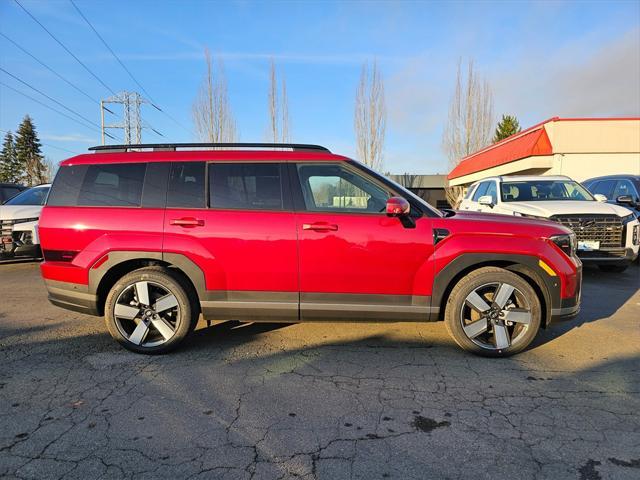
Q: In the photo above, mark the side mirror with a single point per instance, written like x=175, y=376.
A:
x=398, y=207
x=486, y=200
x=599, y=197
x=625, y=199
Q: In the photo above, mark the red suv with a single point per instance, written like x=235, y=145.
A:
x=153, y=238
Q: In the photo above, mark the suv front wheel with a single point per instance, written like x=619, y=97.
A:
x=493, y=312
x=150, y=311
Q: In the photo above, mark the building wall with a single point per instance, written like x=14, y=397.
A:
x=582, y=166
x=590, y=136
x=583, y=149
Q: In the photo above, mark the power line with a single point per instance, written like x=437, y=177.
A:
x=152, y=101
x=45, y=95
x=91, y=127
x=65, y=48
x=49, y=68
x=46, y=144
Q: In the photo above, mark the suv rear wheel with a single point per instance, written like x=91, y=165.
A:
x=493, y=312
x=149, y=311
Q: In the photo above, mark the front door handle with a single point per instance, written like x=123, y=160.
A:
x=187, y=222
x=320, y=227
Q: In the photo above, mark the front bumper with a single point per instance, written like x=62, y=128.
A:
x=565, y=308
x=19, y=239
x=620, y=256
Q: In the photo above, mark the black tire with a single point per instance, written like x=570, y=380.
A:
x=613, y=268
x=181, y=318
x=520, y=335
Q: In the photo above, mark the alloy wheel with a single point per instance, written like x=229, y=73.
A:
x=147, y=314
x=495, y=316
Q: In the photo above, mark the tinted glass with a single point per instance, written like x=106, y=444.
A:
x=112, y=185
x=331, y=188
x=493, y=192
x=603, y=187
x=249, y=186
x=8, y=192
x=186, y=185
x=480, y=191
x=544, y=190
x=66, y=186
x=33, y=196
x=624, y=187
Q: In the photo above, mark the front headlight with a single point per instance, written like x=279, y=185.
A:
x=568, y=243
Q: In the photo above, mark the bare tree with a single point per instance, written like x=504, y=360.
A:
x=211, y=110
x=278, y=108
x=470, y=122
x=370, y=117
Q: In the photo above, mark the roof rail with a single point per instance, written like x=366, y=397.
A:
x=175, y=146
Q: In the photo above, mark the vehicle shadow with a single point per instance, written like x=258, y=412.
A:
x=619, y=287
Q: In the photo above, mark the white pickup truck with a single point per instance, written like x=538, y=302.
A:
x=607, y=234
x=19, y=223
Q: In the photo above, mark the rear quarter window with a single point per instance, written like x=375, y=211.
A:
x=105, y=185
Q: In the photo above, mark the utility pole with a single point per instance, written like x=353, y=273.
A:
x=131, y=118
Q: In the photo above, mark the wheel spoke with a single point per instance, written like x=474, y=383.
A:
x=502, y=294
x=476, y=328
x=125, y=311
x=518, y=315
x=163, y=327
x=501, y=336
x=139, y=333
x=142, y=292
x=165, y=303
x=476, y=302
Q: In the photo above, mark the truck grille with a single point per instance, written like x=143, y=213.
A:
x=606, y=229
x=6, y=227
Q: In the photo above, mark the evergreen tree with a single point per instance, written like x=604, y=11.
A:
x=10, y=168
x=508, y=126
x=28, y=153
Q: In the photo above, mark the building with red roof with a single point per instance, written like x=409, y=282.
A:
x=580, y=148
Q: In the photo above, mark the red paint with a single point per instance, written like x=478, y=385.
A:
x=238, y=250
x=366, y=253
x=534, y=142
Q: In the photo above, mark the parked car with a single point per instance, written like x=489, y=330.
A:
x=8, y=190
x=19, y=223
x=623, y=190
x=289, y=233
x=607, y=234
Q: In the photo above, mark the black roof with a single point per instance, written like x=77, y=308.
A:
x=624, y=176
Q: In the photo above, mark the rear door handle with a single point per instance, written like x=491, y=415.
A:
x=187, y=222
x=320, y=227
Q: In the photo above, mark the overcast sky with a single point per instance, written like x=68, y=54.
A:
x=542, y=59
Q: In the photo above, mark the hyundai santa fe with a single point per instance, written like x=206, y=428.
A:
x=153, y=236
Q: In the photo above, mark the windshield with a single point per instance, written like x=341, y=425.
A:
x=33, y=196
x=543, y=190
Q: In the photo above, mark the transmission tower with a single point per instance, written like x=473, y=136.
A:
x=132, y=123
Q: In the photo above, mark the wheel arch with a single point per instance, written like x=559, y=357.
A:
x=526, y=266
x=114, y=265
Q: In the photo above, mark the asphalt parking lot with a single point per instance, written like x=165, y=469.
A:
x=311, y=401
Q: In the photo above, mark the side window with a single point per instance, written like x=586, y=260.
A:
x=113, y=185
x=624, y=187
x=186, y=185
x=333, y=188
x=470, y=192
x=480, y=191
x=249, y=186
x=604, y=188
x=493, y=191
